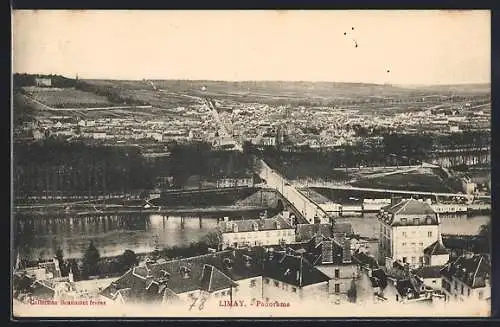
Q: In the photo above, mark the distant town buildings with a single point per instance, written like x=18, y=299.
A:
x=43, y=82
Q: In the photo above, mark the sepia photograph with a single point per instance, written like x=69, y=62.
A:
x=250, y=163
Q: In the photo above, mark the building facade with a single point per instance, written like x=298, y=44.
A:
x=467, y=278
x=256, y=232
x=406, y=229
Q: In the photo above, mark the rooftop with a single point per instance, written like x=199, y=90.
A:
x=436, y=248
x=262, y=224
x=473, y=270
x=396, y=214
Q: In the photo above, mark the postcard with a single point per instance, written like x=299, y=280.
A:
x=251, y=163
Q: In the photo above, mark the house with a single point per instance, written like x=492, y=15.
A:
x=436, y=254
x=292, y=277
x=252, y=275
x=44, y=270
x=467, y=278
x=333, y=257
x=406, y=228
x=43, y=82
x=255, y=232
x=305, y=232
x=430, y=275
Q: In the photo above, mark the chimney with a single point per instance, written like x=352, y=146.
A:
x=226, y=219
x=327, y=252
x=346, y=251
x=265, y=214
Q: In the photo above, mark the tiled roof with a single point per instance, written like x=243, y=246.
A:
x=213, y=280
x=428, y=271
x=277, y=222
x=293, y=270
x=473, y=270
x=305, y=232
x=436, y=248
x=391, y=214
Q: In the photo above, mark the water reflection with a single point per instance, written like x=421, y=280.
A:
x=39, y=237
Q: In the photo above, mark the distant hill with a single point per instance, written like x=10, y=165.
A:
x=454, y=88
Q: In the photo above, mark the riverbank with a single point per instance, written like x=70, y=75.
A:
x=232, y=209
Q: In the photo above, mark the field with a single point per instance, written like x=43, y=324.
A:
x=415, y=181
x=68, y=98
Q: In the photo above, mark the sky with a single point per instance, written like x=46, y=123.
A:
x=417, y=47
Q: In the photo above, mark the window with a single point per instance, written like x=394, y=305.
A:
x=480, y=295
x=267, y=280
x=462, y=290
x=403, y=221
x=429, y=234
x=416, y=221
x=468, y=292
x=337, y=288
x=404, y=243
x=294, y=289
x=337, y=273
x=276, y=283
x=397, y=297
x=434, y=281
x=404, y=259
x=253, y=283
x=404, y=234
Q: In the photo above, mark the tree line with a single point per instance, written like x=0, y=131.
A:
x=77, y=168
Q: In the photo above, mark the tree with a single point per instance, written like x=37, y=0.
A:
x=91, y=260
x=485, y=231
x=213, y=239
x=128, y=259
x=60, y=259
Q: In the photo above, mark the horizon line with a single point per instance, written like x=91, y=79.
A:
x=256, y=80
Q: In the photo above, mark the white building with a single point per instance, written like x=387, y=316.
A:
x=467, y=278
x=255, y=232
x=406, y=229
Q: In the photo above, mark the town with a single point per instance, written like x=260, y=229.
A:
x=299, y=252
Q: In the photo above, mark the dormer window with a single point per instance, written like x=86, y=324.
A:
x=416, y=221
x=428, y=220
x=403, y=221
x=164, y=274
x=235, y=228
x=185, y=272
x=228, y=263
x=255, y=226
x=278, y=226
x=248, y=261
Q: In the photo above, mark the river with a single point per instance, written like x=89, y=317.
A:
x=37, y=237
